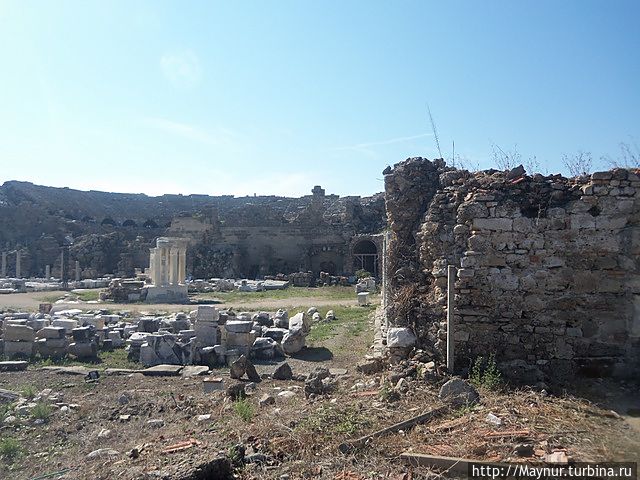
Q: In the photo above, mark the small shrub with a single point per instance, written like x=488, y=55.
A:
x=29, y=391
x=9, y=448
x=41, y=411
x=362, y=273
x=243, y=409
x=485, y=373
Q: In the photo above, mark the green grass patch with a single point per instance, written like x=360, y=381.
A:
x=328, y=293
x=333, y=419
x=28, y=391
x=484, y=373
x=88, y=295
x=9, y=448
x=244, y=409
x=41, y=411
x=353, y=321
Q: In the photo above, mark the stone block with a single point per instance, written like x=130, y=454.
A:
x=83, y=349
x=495, y=224
x=400, y=337
x=81, y=334
x=18, y=333
x=239, y=326
x=18, y=349
x=67, y=323
x=240, y=339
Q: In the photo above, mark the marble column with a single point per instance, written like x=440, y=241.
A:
x=77, y=270
x=47, y=272
x=183, y=265
x=164, y=280
x=173, y=266
x=18, y=265
x=152, y=259
x=3, y=272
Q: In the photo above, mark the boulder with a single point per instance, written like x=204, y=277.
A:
x=400, y=337
x=458, y=393
x=281, y=319
x=282, y=372
x=293, y=342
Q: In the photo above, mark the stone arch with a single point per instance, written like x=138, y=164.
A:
x=150, y=224
x=366, y=254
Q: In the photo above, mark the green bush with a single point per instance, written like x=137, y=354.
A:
x=362, y=274
x=485, y=373
x=41, y=411
x=244, y=409
x=9, y=448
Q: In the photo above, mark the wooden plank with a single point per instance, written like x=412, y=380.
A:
x=404, y=425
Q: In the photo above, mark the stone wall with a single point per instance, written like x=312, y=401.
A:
x=548, y=276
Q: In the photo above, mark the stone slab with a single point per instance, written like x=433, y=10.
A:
x=194, y=370
x=163, y=371
x=16, y=366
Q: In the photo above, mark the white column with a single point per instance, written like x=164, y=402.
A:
x=165, y=266
x=18, y=265
x=3, y=272
x=47, y=272
x=152, y=259
x=77, y=270
x=183, y=265
x=173, y=263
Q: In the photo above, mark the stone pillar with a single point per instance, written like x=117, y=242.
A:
x=18, y=265
x=164, y=280
x=3, y=272
x=47, y=272
x=183, y=265
x=77, y=270
x=173, y=266
x=157, y=267
x=152, y=260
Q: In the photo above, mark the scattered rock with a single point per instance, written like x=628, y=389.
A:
x=370, y=367
x=282, y=372
x=330, y=316
x=163, y=371
x=287, y=394
x=10, y=420
x=13, y=366
x=266, y=399
x=194, y=370
x=524, y=450
x=104, y=433
x=493, y=420
x=203, y=418
x=235, y=391
x=157, y=423
x=102, y=453
x=400, y=337
x=458, y=392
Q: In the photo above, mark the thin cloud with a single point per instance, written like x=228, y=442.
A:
x=390, y=141
x=219, y=136
x=182, y=68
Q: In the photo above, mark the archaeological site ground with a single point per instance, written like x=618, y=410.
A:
x=456, y=319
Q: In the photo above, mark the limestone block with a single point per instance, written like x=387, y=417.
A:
x=281, y=319
x=363, y=298
x=18, y=349
x=582, y=221
x=67, y=323
x=240, y=339
x=301, y=322
x=51, y=332
x=239, y=326
x=293, y=342
x=83, y=349
x=400, y=337
x=207, y=313
x=276, y=333
x=18, y=333
x=496, y=224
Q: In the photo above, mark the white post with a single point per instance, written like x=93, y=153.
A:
x=451, y=279
x=77, y=270
x=4, y=265
x=47, y=271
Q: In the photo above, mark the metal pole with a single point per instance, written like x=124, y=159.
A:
x=451, y=279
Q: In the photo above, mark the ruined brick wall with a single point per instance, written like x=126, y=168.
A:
x=548, y=275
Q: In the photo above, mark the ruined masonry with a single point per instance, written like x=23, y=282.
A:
x=548, y=277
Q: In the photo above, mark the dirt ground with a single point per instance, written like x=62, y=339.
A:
x=296, y=436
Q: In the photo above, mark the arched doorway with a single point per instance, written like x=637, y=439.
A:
x=365, y=256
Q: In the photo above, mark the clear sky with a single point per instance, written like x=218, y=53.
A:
x=273, y=97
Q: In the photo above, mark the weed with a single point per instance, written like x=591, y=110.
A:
x=9, y=448
x=244, y=409
x=28, y=391
x=335, y=420
x=485, y=373
x=41, y=411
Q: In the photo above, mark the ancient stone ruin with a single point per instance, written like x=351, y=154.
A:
x=547, y=267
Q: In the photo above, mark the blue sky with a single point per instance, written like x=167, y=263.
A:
x=243, y=97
